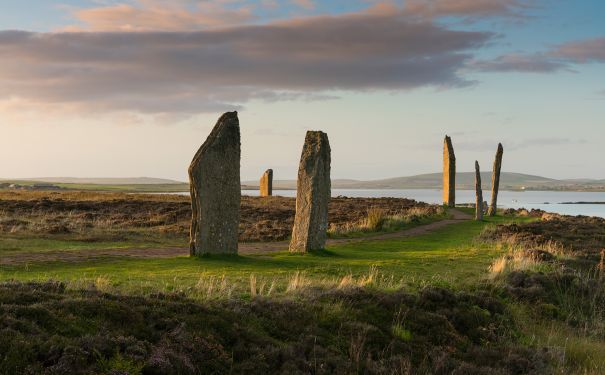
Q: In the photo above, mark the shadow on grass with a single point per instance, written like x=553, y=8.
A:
x=269, y=258
x=259, y=262
x=322, y=253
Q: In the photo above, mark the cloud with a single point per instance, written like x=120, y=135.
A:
x=583, y=51
x=211, y=70
x=561, y=57
x=467, y=8
x=306, y=4
x=535, y=63
x=157, y=15
x=190, y=15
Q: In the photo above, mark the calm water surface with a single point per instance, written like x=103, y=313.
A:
x=545, y=200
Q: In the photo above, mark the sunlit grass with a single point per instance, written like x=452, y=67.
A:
x=449, y=255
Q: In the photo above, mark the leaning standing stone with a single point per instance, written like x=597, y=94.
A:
x=449, y=173
x=496, y=180
x=479, y=193
x=214, y=177
x=313, y=194
x=266, y=183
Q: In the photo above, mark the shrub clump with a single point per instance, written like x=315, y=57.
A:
x=47, y=329
x=557, y=266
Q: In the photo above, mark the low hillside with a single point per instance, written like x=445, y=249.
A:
x=464, y=181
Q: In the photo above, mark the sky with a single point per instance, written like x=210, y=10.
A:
x=129, y=88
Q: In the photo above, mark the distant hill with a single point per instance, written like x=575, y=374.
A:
x=464, y=180
x=126, y=185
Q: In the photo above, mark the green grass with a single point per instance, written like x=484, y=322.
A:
x=576, y=351
x=449, y=255
x=142, y=238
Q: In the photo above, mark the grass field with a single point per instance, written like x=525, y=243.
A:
x=32, y=221
x=449, y=255
x=476, y=283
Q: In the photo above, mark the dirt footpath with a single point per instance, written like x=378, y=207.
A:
x=244, y=248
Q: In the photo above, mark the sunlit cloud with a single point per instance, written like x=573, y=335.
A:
x=157, y=15
x=191, y=15
x=582, y=51
x=213, y=70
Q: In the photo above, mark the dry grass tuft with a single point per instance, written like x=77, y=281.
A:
x=379, y=219
x=517, y=259
x=376, y=218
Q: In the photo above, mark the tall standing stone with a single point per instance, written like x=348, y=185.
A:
x=449, y=173
x=479, y=193
x=266, y=183
x=496, y=180
x=214, y=177
x=313, y=194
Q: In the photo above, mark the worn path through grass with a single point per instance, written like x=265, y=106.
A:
x=447, y=253
x=245, y=248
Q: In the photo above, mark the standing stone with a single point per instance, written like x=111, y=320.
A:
x=496, y=180
x=266, y=183
x=313, y=194
x=449, y=173
x=214, y=177
x=479, y=193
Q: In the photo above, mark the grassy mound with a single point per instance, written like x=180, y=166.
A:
x=555, y=272
x=47, y=329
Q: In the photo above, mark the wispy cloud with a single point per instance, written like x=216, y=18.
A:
x=582, y=51
x=191, y=15
x=210, y=70
x=515, y=62
x=561, y=57
x=306, y=4
x=158, y=15
x=468, y=8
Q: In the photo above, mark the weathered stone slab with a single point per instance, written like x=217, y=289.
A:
x=266, y=183
x=313, y=194
x=496, y=180
x=214, y=177
x=449, y=173
x=479, y=193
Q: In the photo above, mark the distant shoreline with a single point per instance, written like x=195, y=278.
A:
x=184, y=188
x=510, y=181
x=582, y=203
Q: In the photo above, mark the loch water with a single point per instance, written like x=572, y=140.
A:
x=562, y=202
